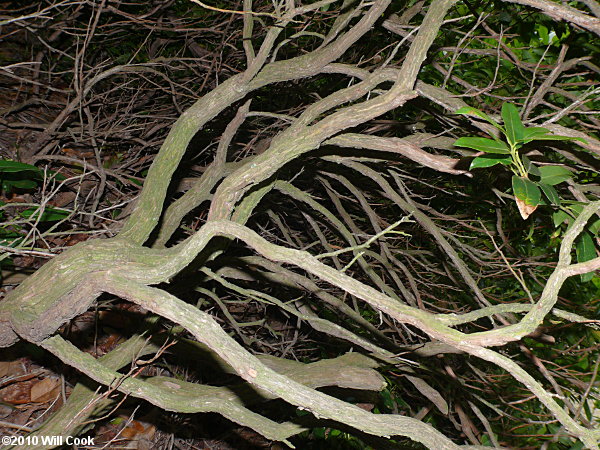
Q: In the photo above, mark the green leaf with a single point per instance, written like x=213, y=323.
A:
x=8, y=234
x=577, y=208
x=583, y=363
x=22, y=184
x=550, y=193
x=319, y=433
x=532, y=133
x=469, y=111
x=526, y=190
x=514, y=127
x=543, y=33
x=559, y=217
x=49, y=215
x=530, y=167
x=594, y=227
x=556, y=137
x=489, y=161
x=588, y=412
x=15, y=166
x=585, y=250
x=483, y=145
x=57, y=175
x=554, y=174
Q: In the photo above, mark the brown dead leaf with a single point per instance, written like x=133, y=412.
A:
x=525, y=209
x=11, y=368
x=115, y=319
x=45, y=390
x=140, y=435
x=134, y=428
x=16, y=393
x=110, y=342
x=366, y=406
x=18, y=378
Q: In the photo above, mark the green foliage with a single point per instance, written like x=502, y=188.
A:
x=47, y=214
x=20, y=177
x=489, y=161
x=514, y=128
x=483, y=145
x=585, y=252
x=552, y=175
x=517, y=135
x=16, y=176
x=528, y=192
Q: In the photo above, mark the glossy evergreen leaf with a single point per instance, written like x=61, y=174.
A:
x=552, y=175
x=577, y=208
x=483, y=145
x=56, y=175
x=550, y=193
x=555, y=137
x=22, y=184
x=527, y=195
x=7, y=165
x=543, y=33
x=594, y=227
x=559, y=217
x=469, y=111
x=49, y=215
x=530, y=167
x=585, y=250
x=526, y=190
x=512, y=122
x=489, y=161
x=532, y=133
